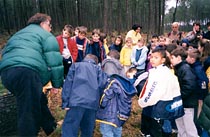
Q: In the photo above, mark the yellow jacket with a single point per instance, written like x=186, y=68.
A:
x=125, y=56
x=208, y=75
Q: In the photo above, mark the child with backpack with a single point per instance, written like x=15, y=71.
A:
x=115, y=104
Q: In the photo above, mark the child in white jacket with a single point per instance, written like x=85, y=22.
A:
x=161, y=93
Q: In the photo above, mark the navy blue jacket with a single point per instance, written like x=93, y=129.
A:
x=84, y=85
x=202, y=80
x=115, y=104
x=115, y=47
x=188, y=84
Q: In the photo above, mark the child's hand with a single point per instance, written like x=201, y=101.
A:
x=66, y=108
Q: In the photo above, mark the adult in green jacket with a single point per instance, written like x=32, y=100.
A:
x=204, y=118
x=31, y=59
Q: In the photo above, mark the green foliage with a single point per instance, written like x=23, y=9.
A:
x=189, y=11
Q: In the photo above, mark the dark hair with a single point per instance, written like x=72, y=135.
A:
x=196, y=23
x=155, y=36
x=194, y=53
x=102, y=37
x=164, y=55
x=38, y=18
x=121, y=39
x=69, y=28
x=114, y=54
x=206, y=50
x=171, y=47
x=136, y=26
x=91, y=56
x=208, y=24
x=161, y=51
x=179, y=51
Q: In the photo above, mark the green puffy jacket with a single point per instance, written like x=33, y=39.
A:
x=35, y=48
x=204, y=118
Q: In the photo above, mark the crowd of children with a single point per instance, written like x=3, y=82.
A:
x=171, y=76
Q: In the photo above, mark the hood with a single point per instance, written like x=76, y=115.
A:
x=114, y=61
x=126, y=83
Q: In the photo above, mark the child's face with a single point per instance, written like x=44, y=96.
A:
x=129, y=43
x=184, y=44
x=140, y=44
x=156, y=59
x=190, y=60
x=131, y=74
x=95, y=37
x=208, y=28
x=76, y=32
x=155, y=39
x=200, y=49
x=65, y=33
x=117, y=41
x=175, y=60
x=81, y=36
x=162, y=41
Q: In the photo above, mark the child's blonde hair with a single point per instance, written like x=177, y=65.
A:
x=129, y=39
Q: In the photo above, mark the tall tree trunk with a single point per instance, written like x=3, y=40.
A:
x=119, y=21
x=174, y=14
x=163, y=17
x=6, y=17
x=78, y=12
x=149, y=21
x=159, y=17
x=105, y=16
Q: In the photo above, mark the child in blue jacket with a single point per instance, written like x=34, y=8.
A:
x=193, y=59
x=80, y=96
x=115, y=104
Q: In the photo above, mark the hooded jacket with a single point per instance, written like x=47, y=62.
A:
x=112, y=66
x=84, y=85
x=115, y=104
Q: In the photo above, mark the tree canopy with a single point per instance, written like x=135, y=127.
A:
x=108, y=15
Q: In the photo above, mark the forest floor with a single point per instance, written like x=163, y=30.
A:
x=130, y=129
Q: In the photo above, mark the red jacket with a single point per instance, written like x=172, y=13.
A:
x=72, y=46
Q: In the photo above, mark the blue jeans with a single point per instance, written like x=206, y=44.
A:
x=79, y=118
x=110, y=131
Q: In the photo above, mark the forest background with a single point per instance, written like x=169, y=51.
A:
x=107, y=15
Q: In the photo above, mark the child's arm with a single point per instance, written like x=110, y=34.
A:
x=133, y=56
x=122, y=56
x=102, y=80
